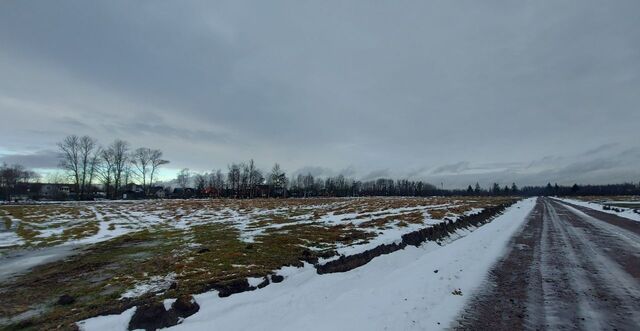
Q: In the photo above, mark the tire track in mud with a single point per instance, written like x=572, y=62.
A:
x=566, y=269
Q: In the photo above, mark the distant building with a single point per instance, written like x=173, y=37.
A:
x=157, y=192
x=133, y=191
x=262, y=191
x=54, y=191
x=180, y=193
x=43, y=191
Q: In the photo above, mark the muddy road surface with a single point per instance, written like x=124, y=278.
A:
x=570, y=267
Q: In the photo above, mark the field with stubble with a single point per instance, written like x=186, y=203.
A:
x=65, y=262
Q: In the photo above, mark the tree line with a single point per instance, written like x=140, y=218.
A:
x=244, y=180
x=86, y=162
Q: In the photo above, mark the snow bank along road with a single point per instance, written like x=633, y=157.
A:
x=570, y=267
x=410, y=289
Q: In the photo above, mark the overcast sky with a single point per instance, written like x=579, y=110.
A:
x=446, y=91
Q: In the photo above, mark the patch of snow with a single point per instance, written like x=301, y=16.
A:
x=46, y=233
x=255, y=281
x=168, y=302
x=108, y=322
x=17, y=262
x=154, y=284
x=10, y=238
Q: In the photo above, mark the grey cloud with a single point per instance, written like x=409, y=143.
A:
x=589, y=166
x=323, y=172
x=452, y=168
x=600, y=149
x=162, y=129
x=376, y=174
x=45, y=159
x=515, y=90
x=417, y=172
x=349, y=171
x=314, y=171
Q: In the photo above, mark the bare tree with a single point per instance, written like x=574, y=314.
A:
x=233, y=178
x=183, y=178
x=70, y=159
x=77, y=158
x=200, y=182
x=105, y=171
x=141, y=160
x=120, y=151
x=218, y=182
x=87, y=147
x=156, y=161
x=255, y=178
x=305, y=183
x=244, y=179
x=94, y=166
x=127, y=173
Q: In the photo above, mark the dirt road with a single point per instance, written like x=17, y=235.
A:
x=569, y=268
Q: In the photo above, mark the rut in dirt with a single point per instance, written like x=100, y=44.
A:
x=569, y=267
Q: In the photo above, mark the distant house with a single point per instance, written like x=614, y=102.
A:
x=211, y=192
x=42, y=191
x=158, y=192
x=54, y=191
x=180, y=193
x=262, y=191
x=133, y=191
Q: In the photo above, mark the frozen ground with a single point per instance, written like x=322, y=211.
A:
x=26, y=229
x=110, y=256
x=407, y=290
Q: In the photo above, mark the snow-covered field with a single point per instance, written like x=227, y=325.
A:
x=408, y=290
x=112, y=254
x=92, y=222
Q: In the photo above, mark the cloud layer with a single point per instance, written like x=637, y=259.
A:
x=455, y=91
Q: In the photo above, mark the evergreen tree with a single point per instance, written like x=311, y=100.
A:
x=496, y=188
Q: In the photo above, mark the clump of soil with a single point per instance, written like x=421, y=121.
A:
x=66, y=299
x=154, y=315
